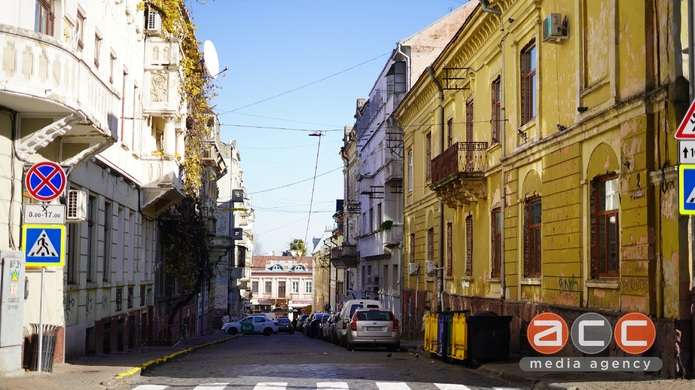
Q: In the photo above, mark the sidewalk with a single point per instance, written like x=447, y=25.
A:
x=100, y=371
x=510, y=372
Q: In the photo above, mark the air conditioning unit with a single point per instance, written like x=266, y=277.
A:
x=76, y=208
x=430, y=267
x=555, y=28
x=413, y=268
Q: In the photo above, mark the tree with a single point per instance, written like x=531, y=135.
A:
x=297, y=247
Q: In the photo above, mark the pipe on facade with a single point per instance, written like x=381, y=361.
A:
x=13, y=124
x=440, y=271
x=399, y=49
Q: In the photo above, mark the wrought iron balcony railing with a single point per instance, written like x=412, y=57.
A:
x=466, y=159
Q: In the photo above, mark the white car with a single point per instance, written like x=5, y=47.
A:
x=258, y=324
x=342, y=325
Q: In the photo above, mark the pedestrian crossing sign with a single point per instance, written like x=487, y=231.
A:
x=43, y=245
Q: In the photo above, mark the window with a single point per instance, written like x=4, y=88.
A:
x=395, y=78
x=97, y=49
x=410, y=169
x=385, y=276
x=449, y=249
x=396, y=276
x=276, y=268
x=298, y=268
x=428, y=156
x=412, y=247
x=496, y=242
x=92, y=223
x=268, y=287
x=496, y=110
x=532, y=237
x=282, y=287
x=430, y=244
x=119, y=299
x=371, y=219
x=254, y=286
x=44, y=18
x=529, y=93
x=130, y=296
x=79, y=29
x=295, y=286
x=307, y=287
x=142, y=295
x=112, y=66
x=469, y=245
x=449, y=131
x=364, y=222
x=379, y=217
x=108, y=224
x=152, y=19
x=605, y=242
x=73, y=252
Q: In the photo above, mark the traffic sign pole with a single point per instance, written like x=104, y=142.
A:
x=40, y=357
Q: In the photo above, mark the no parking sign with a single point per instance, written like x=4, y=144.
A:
x=45, y=181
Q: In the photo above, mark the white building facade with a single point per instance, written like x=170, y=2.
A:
x=234, y=210
x=379, y=156
x=95, y=87
x=281, y=282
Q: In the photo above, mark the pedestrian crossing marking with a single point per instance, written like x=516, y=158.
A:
x=691, y=197
x=43, y=247
x=332, y=386
x=449, y=386
x=211, y=386
x=271, y=386
x=392, y=386
x=322, y=386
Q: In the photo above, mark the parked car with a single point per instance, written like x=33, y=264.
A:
x=252, y=324
x=349, y=308
x=313, y=325
x=329, y=328
x=374, y=328
x=284, y=325
x=301, y=321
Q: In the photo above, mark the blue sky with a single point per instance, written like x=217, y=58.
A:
x=277, y=45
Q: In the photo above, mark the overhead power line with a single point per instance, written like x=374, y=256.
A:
x=295, y=183
x=303, y=130
x=277, y=95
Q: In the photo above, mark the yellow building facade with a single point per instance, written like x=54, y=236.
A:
x=539, y=168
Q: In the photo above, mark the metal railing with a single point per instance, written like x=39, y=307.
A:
x=461, y=158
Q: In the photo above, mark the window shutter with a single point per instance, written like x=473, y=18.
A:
x=595, y=227
x=527, y=239
x=525, y=90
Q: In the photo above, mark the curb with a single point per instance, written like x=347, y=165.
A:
x=165, y=358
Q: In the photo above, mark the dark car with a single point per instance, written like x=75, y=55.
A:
x=301, y=321
x=284, y=325
x=313, y=325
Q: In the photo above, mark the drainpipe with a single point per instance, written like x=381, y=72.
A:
x=399, y=49
x=502, y=140
x=430, y=71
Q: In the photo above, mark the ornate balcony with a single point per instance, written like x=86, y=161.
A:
x=458, y=174
x=38, y=74
x=344, y=256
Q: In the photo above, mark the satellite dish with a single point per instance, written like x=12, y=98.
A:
x=210, y=59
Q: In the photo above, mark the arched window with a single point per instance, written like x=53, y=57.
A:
x=275, y=267
x=298, y=268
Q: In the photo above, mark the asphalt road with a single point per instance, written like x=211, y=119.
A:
x=297, y=362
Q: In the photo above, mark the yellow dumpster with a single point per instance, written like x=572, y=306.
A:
x=458, y=349
x=430, y=344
